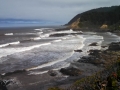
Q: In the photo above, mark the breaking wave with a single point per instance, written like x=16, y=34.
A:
x=12, y=43
x=36, y=38
x=40, y=29
x=57, y=40
x=42, y=72
x=10, y=51
x=8, y=34
x=24, y=33
x=69, y=44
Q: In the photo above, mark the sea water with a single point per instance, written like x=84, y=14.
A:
x=37, y=52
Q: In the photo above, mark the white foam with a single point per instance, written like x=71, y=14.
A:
x=62, y=65
x=57, y=40
x=100, y=42
x=90, y=33
x=109, y=33
x=53, y=54
x=49, y=64
x=112, y=34
x=47, y=28
x=4, y=45
x=81, y=46
x=80, y=32
x=12, y=43
x=9, y=51
x=39, y=32
x=38, y=29
x=95, y=37
x=55, y=32
x=37, y=38
x=66, y=31
x=64, y=38
x=44, y=35
x=24, y=33
x=70, y=45
x=9, y=34
x=62, y=32
x=37, y=72
x=71, y=30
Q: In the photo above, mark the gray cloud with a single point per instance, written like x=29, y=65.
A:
x=53, y=10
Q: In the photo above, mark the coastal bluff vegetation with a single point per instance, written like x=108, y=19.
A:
x=106, y=18
x=108, y=61
x=107, y=78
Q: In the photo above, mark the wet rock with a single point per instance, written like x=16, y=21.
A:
x=103, y=46
x=92, y=60
x=94, y=52
x=59, y=34
x=70, y=71
x=78, y=50
x=94, y=44
x=86, y=59
x=52, y=73
x=3, y=84
x=114, y=46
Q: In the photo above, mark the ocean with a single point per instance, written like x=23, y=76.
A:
x=46, y=48
x=38, y=50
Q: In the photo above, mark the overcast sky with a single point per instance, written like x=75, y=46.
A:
x=53, y=10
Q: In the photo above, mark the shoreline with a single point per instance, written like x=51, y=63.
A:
x=35, y=82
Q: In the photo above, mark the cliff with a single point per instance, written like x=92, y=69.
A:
x=75, y=24
x=105, y=18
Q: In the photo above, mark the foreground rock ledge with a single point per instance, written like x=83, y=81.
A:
x=70, y=71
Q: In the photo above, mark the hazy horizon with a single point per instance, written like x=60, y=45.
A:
x=50, y=12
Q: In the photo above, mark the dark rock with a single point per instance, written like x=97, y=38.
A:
x=114, y=46
x=52, y=73
x=94, y=52
x=3, y=84
x=93, y=44
x=86, y=59
x=59, y=34
x=70, y=71
x=103, y=46
x=92, y=60
x=78, y=50
x=63, y=34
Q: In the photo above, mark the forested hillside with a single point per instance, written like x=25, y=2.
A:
x=109, y=16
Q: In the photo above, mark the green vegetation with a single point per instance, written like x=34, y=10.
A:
x=97, y=17
x=106, y=79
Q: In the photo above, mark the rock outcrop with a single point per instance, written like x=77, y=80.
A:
x=71, y=71
x=94, y=44
x=52, y=73
x=104, y=26
x=114, y=46
x=75, y=25
x=100, y=18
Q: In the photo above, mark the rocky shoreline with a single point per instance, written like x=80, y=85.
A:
x=96, y=61
x=103, y=60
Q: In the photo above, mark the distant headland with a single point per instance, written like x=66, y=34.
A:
x=101, y=18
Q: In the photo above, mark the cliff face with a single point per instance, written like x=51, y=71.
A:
x=104, y=26
x=74, y=25
x=107, y=17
